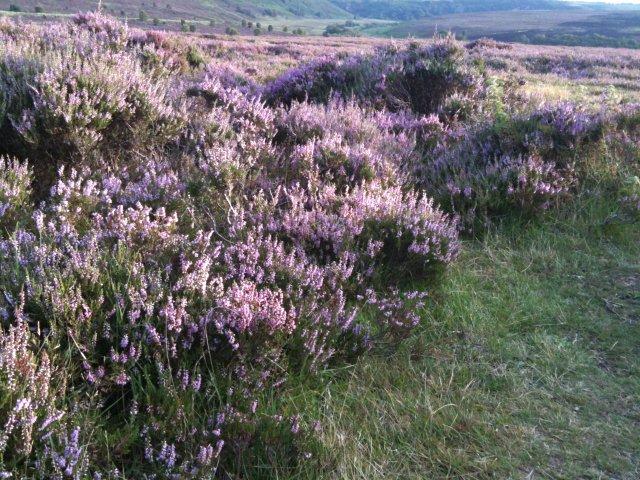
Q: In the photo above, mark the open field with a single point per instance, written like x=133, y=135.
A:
x=274, y=257
x=570, y=27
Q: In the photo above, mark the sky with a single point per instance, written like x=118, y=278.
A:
x=637, y=2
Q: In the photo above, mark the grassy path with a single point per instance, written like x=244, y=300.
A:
x=527, y=366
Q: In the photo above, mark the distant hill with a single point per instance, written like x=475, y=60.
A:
x=595, y=28
x=235, y=10
x=217, y=10
x=413, y=9
x=525, y=21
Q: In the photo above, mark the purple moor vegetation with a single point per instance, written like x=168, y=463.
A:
x=178, y=239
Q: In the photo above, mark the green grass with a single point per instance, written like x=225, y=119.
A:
x=526, y=366
x=590, y=95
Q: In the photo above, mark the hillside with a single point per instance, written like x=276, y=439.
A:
x=234, y=10
x=218, y=10
x=412, y=9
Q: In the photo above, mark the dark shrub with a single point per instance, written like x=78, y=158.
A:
x=195, y=57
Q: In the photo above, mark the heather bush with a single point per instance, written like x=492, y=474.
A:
x=106, y=29
x=69, y=109
x=86, y=104
x=418, y=78
x=15, y=194
x=423, y=78
x=231, y=139
x=340, y=142
x=524, y=162
x=30, y=395
x=488, y=43
x=476, y=188
x=320, y=79
x=135, y=294
x=626, y=120
x=8, y=29
x=374, y=225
